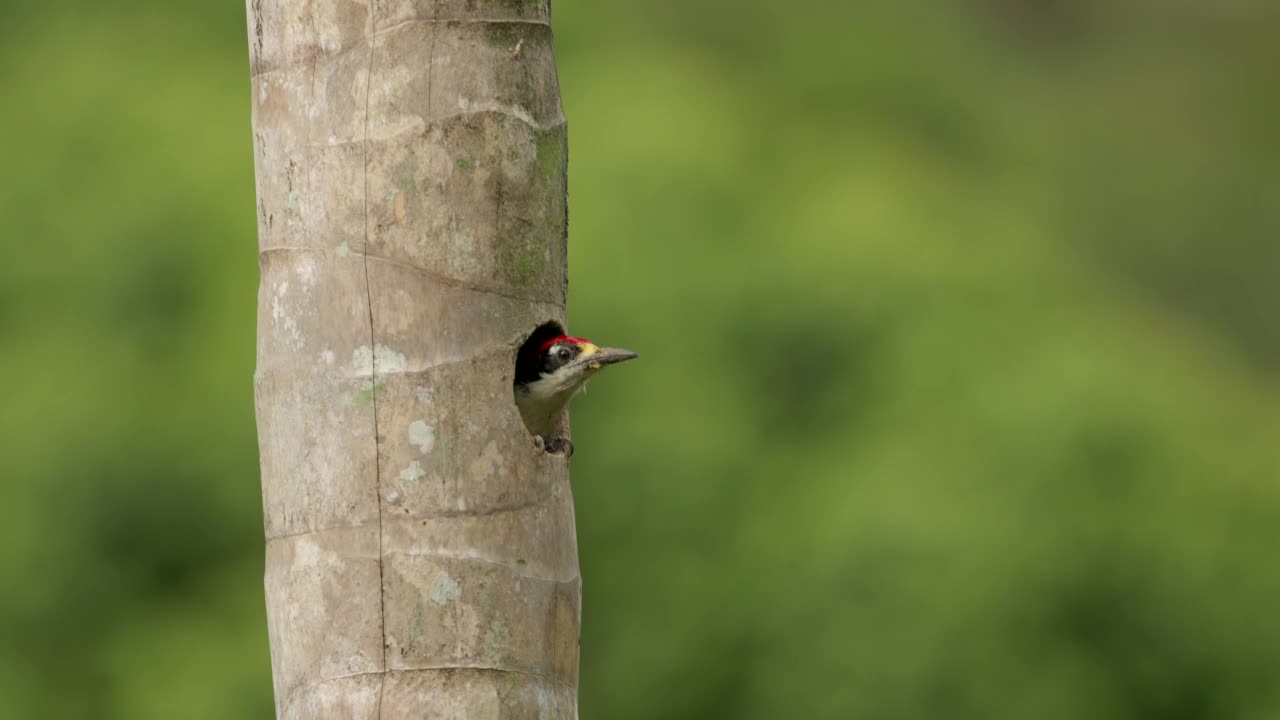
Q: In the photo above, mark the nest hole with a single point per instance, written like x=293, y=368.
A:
x=526, y=360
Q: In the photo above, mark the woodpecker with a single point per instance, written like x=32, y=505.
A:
x=548, y=374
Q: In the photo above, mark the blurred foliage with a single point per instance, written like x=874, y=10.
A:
x=958, y=394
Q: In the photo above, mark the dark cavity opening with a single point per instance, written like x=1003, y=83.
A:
x=527, y=369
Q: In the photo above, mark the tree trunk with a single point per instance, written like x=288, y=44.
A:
x=412, y=222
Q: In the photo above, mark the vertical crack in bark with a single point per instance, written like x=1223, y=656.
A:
x=373, y=346
x=373, y=360
x=308, y=151
x=431, y=56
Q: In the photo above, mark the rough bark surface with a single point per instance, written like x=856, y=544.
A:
x=421, y=558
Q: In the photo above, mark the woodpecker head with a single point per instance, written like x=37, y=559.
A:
x=548, y=374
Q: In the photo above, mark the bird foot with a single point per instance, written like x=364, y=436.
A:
x=554, y=446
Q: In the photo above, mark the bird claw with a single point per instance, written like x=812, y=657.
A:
x=554, y=446
x=561, y=446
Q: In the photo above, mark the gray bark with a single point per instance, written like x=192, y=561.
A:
x=421, y=559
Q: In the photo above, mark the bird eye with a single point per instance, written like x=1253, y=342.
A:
x=564, y=353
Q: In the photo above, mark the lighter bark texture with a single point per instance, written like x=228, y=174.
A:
x=421, y=559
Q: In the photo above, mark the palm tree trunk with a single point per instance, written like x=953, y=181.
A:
x=412, y=221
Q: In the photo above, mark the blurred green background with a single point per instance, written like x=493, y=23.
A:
x=960, y=362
